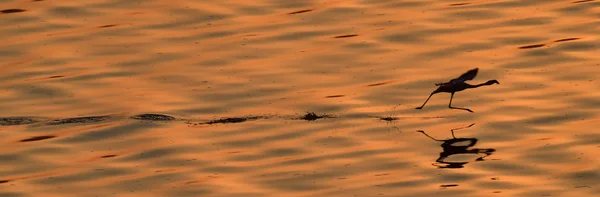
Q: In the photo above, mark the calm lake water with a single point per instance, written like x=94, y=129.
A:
x=212, y=98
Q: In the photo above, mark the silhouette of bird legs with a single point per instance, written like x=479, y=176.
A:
x=449, y=104
x=421, y=107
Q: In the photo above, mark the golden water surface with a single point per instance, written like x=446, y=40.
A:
x=211, y=97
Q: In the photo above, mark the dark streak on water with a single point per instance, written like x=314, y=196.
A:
x=154, y=117
x=346, y=36
x=9, y=11
x=108, y=156
x=459, y=4
x=105, y=26
x=312, y=116
x=86, y=119
x=55, y=76
x=449, y=185
x=8, y=121
x=389, y=118
x=190, y=182
x=309, y=116
x=335, y=96
x=37, y=138
x=234, y=120
x=566, y=39
x=301, y=11
x=532, y=46
x=378, y=84
x=583, y=1
x=4, y=181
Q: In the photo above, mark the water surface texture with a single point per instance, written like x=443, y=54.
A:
x=298, y=98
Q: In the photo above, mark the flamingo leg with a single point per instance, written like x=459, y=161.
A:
x=460, y=128
x=450, y=104
x=426, y=101
x=423, y=132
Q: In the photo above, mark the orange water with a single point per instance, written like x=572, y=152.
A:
x=354, y=60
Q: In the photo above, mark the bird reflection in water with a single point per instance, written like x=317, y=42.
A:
x=456, y=146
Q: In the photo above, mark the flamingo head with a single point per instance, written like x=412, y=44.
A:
x=493, y=81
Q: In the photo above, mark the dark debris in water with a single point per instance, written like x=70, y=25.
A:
x=9, y=11
x=388, y=118
x=459, y=4
x=37, y=138
x=378, y=84
x=106, y=26
x=55, y=76
x=108, y=156
x=433, y=117
x=299, y=12
x=153, y=117
x=532, y=46
x=566, y=39
x=449, y=185
x=392, y=118
x=4, y=181
x=335, y=96
x=8, y=121
x=87, y=119
x=312, y=116
x=234, y=120
x=583, y=1
x=346, y=36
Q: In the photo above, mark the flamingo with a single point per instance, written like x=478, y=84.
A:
x=457, y=85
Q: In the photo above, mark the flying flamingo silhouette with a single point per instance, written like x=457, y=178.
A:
x=457, y=85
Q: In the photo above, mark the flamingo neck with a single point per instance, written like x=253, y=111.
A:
x=479, y=85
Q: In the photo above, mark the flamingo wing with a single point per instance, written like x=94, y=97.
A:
x=469, y=75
